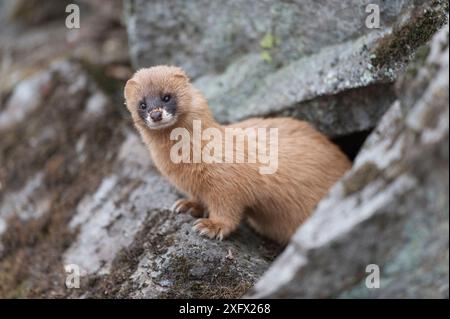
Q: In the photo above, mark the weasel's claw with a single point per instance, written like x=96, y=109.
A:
x=184, y=206
x=209, y=228
x=177, y=205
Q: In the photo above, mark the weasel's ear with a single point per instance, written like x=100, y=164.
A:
x=130, y=89
x=180, y=74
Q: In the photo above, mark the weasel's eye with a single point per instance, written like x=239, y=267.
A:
x=143, y=105
x=166, y=98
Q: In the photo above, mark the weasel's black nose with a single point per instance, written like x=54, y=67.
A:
x=156, y=116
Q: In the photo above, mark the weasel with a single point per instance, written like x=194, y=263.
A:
x=161, y=98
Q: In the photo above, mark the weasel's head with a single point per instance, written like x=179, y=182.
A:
x=158, y=96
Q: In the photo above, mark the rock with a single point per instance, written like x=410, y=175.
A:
x=27, y=49
x=167, y=259
x=315, y=61
x=204, y=37
x=26, y=98
x=109, y=218
x=390, y=210
x=95, y=106
x=79, y=188
x=338, y=98
x=51, y=157
x=128, y=216
x=30, y=202
x=32, y=12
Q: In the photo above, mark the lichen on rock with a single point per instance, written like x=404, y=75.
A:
x=390, y=210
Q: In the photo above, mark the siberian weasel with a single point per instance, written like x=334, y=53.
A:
x=161, y=98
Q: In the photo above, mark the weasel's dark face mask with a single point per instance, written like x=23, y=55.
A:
x=158, y=110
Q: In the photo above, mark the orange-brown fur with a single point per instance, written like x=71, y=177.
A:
x=275, y=204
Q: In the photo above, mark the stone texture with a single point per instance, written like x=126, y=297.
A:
x=26, y=97
x=29, y=47
x=130, y=210
x=32, y=12
x=205, y=36
x=244, y=91
x=174, y=262
x=391, y=209
x=77, y=186
x=289, y=58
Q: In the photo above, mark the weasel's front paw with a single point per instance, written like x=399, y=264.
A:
x=212, y=228
x=184, y=206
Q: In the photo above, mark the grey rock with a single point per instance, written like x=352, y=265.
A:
x=28, y=46
x=26, y=98
x=177, y=263
x=129, y=212
x=104, y=202
x=283, y=59
x=391, y=209
x=322, y=88
x=78, y=187
x=28, y=203
x=205, y=36
x=32, y=12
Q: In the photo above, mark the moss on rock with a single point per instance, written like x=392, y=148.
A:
x=406, y=38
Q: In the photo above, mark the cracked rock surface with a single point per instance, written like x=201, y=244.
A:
x=390, y=210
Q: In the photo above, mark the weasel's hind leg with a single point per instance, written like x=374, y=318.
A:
x=273, y=228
